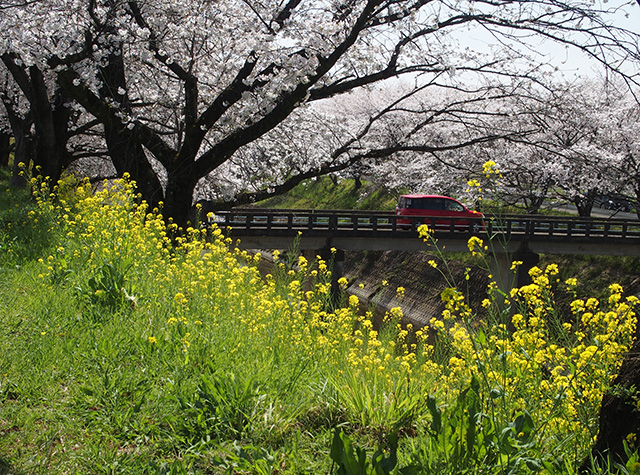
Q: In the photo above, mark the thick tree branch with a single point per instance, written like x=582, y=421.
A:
x=106, y=114
x=190, y=81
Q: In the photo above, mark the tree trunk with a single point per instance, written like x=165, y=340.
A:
x=48, y=152
x=584, y=206
x=178, y=197
x=128, y=156
x=126, y=152
x=619, y=413
x=24, y=150
x=533, y=204
x=23, y=147
x=50, y=137
x=61, y=115
x=4, y=149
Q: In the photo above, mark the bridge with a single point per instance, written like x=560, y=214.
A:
x=510, y=237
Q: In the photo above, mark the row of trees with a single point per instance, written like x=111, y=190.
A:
x=576, y=143
x=236, y=101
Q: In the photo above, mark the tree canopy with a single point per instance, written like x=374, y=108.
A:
x=177, y=92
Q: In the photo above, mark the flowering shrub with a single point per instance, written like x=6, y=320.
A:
x=214, y=352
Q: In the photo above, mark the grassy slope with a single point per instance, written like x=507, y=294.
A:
x=324, y=194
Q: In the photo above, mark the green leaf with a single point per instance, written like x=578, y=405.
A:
x=436, y=415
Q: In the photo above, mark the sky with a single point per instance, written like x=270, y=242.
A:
x=569, y=61
x=573, y=61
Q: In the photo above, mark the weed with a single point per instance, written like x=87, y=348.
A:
x=107, y=289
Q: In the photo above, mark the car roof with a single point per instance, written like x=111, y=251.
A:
x=427, y=196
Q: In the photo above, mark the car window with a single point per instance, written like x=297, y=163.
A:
x=430, y=203
x=451, y=205
x=423, y=203
x=433, y=203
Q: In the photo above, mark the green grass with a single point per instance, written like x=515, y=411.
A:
x=130, y=347
x=323, y=193
x=20, y=237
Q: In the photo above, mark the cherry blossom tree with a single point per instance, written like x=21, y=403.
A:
x=561, y=144
x=51, y=131
x=47, y=114
x=620, y=137
x=564, y=159
x=493, y=126
x=184, y=89
x=572, y=132
x=585, y=144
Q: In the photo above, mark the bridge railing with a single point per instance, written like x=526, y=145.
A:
x=564, y=227
x=378, y=223
x=316, y=220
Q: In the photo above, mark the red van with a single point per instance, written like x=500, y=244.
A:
x=449, y=212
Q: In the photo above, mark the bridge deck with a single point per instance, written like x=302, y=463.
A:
x=384, y=230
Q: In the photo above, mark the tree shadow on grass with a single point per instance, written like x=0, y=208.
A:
x=5, y=467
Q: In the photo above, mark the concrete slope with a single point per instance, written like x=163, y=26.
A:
x=366, y=271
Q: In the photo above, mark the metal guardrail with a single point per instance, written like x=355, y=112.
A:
x=376, y=224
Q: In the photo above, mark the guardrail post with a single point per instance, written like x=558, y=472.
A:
x=333, y=222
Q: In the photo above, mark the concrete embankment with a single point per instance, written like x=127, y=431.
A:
x=367, y=270
x=422, y=283
x=374, y=277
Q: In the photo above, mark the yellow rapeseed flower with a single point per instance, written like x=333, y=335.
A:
x=475, y=245
x=489, y=168
x=425, y=232
x=515, y=264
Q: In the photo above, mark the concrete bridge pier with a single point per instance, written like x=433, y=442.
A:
x=501, y=264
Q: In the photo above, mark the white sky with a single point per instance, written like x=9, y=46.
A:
x=569, y=61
